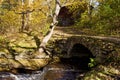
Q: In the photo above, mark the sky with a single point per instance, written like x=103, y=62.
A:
x=94, y=3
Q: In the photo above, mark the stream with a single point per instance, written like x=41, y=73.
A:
x=67, y=69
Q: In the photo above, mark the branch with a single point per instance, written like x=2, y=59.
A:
x=58, y=3
x=24, y=12
x=53, y=24
x=28, y=11
x=17, y=12
x=64, y=3
x=42, y=11
x=49, y=7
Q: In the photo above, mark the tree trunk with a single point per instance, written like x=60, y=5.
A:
x=23, y=22
x=26, y=27
x=52, y=26
x=26, y=16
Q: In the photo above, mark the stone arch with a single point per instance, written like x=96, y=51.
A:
x=80, y=54
x=80, y=50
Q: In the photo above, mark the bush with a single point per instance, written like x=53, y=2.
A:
x=10, y=21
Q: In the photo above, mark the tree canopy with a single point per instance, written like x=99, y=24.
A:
x=37, y=16
x=104, y=17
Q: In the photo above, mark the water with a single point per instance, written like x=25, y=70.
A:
x=60, y=73
x=67, y=69
x=55, y=74
x=35, y=75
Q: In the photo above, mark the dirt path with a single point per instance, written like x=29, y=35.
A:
x=64, y=32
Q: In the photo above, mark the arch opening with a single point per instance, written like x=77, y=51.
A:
x=80, y=57
x=80, y=51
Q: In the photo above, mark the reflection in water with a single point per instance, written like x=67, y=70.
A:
x=61, y=75
x=67, y=69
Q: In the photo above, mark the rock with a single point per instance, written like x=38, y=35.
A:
x=104, y=72
x=31, y=64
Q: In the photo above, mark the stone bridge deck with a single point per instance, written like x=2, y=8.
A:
x=63, y=32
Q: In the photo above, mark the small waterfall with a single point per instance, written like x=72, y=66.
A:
x=35, y=75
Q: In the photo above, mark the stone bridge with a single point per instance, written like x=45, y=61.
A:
x=91, y=46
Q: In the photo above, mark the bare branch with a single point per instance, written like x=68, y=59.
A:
x=24, y=12
x=58, y=3
x=49, y=7
x=17, y=12
x=29, y=11
x=52, y=26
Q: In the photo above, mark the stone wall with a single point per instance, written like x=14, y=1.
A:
x=99, y=47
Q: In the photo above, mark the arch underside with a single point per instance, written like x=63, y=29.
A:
x=80, y=55
x=80, y=50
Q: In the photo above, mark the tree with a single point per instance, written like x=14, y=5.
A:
x=102, y=18
x=8, y=19
x=52, y=25
x=25, y=12
x=54, y=14
x=48, y=8
x=108, y=16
